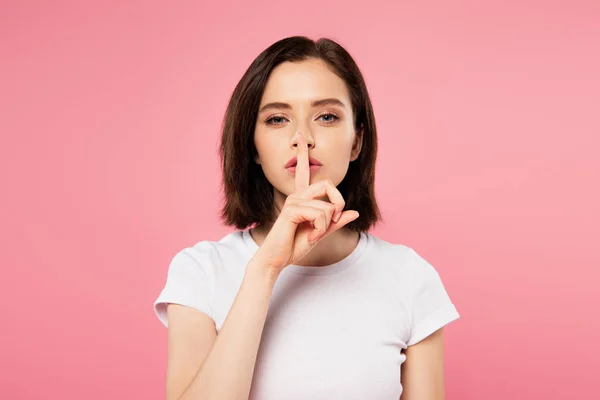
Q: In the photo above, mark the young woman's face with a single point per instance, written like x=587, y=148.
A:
x=328, y=127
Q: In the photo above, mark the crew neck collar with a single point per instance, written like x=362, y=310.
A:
x=334, y=268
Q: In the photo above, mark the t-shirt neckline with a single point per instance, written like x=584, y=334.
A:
x=334, y=268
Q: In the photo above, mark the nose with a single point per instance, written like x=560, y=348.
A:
x=309, y=139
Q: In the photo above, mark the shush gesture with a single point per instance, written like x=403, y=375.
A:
x=304, y=220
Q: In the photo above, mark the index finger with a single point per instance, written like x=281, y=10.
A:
x=302, y=166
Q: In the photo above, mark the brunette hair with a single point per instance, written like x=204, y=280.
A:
x=248, y=195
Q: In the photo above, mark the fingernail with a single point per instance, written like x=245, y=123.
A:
x=337, y=216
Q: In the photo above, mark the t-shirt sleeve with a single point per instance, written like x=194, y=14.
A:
x=188, y=282
x=431, y=307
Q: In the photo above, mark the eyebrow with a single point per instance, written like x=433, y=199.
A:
x=316, y=103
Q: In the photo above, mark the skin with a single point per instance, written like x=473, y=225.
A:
x=330, y=135
x=422, y=374
x=335, y=143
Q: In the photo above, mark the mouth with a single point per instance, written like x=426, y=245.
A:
x=312, y=162
x=312, y=167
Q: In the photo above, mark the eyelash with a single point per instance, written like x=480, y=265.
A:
x=335, y=119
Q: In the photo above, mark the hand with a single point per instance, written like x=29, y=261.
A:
x=304, y=220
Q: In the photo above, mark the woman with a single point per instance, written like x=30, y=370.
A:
x=305, y=304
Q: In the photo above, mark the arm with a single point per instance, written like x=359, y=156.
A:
x=422, y=374
x=226, y=370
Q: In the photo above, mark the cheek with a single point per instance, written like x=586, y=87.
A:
x=272, y=159
x=267, y=153
x=339, y=161
x=343, y=148
x=262, y=147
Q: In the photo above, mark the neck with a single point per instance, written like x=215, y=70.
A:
x=329, y=250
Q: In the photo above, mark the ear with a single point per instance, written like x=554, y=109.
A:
x=357, y=146
x=256, y=158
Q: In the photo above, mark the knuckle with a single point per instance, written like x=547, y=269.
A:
x=323, y=216
x=328, y=182
x=331, y=208
x=291, y=198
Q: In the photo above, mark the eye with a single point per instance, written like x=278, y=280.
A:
x=275, y=120
x=332, y=118
x=329, y=118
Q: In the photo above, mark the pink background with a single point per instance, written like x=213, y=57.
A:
x=488, y=115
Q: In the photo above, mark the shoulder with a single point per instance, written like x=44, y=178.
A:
x=402, y=258
x=398, y=254
x=196, y=255
x=211, y=251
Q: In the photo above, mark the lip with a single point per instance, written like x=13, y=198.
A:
x=312, y=162
x=312, y=168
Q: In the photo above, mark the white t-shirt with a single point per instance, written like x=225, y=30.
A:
x=332, y=332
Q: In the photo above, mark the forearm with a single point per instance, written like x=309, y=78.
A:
x=226, y=373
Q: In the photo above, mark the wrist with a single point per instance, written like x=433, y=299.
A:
x=260, y=269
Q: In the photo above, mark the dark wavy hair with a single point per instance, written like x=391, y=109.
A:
x=248, y=195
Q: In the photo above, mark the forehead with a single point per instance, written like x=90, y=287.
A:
x=304, y=81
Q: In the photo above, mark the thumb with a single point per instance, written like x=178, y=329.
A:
x=346, y=217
